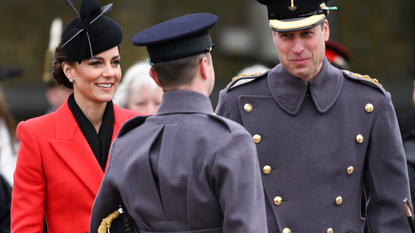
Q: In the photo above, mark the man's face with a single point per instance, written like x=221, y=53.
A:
x=302, y=52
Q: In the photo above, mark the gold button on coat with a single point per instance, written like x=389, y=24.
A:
x=257, y=138
x=369, y=107
x=286, y=230
x=350, y=170
x=277, y=200
x=359, y=138
x=248, y=107
x=339, y=200
x=330, y=230
x=266, y=169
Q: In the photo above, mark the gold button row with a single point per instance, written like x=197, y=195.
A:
x=368, y=107
x=267, y=170
x=278, y=200
x=288, y=230
x=257, y=138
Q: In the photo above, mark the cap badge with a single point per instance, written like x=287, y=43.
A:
x=292, y=7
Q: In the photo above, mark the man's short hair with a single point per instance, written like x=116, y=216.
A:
x=174, y=73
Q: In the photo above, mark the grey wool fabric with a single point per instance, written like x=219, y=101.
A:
x=183, y=170
x=321, y=144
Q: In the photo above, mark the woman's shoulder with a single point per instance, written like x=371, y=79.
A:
x=37, y=125
x=39, y=120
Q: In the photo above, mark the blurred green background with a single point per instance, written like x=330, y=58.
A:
x=379, y=34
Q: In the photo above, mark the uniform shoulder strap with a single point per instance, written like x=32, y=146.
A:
x=364, y=79
x=244, y=78
x=131, y=124
x=220, y=120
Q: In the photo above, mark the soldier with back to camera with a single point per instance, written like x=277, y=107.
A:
x=183, y=169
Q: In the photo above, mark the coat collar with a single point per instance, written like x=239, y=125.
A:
x=180, y=101
x=71, y=145
x=289, y=92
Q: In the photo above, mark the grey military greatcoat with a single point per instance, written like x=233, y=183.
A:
x=319, y=144
x=184, y=170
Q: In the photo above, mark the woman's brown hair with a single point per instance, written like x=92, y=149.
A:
x=60, y=56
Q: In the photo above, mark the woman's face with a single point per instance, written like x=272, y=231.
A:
x=96, y=81
x=145, y=100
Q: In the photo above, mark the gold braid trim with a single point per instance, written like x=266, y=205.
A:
x=106, y=222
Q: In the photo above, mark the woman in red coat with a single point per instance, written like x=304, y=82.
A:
x=63, y=155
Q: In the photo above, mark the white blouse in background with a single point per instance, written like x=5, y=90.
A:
x=7, y=157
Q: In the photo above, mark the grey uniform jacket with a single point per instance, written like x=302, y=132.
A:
x=184, y=170
x=319, y=143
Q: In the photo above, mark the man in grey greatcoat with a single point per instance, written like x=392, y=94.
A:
x=322, y=134
x=183, y=169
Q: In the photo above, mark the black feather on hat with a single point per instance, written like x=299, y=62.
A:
x=91, y=32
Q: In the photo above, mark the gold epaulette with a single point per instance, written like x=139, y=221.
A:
x=244, y=75
x=365, y=77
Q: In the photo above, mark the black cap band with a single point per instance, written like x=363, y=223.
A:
x=177, y=38
x=179, y=48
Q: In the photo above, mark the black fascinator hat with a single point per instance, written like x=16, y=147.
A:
x=90, y=33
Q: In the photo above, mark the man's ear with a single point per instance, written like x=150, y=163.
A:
x=203, y=67
x=326, y=30
x=153, y=75
x=274, y=37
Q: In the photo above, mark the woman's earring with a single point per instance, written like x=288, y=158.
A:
x=71, y=80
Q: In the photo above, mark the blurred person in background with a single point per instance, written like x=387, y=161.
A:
x=9, y=144
x=63, y=155
x=337, y=54
x=138, y=91
x=8, y=153
x=56, y=95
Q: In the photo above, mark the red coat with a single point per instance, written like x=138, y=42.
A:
x=56, y=173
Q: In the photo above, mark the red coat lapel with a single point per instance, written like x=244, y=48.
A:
x=71, y=145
